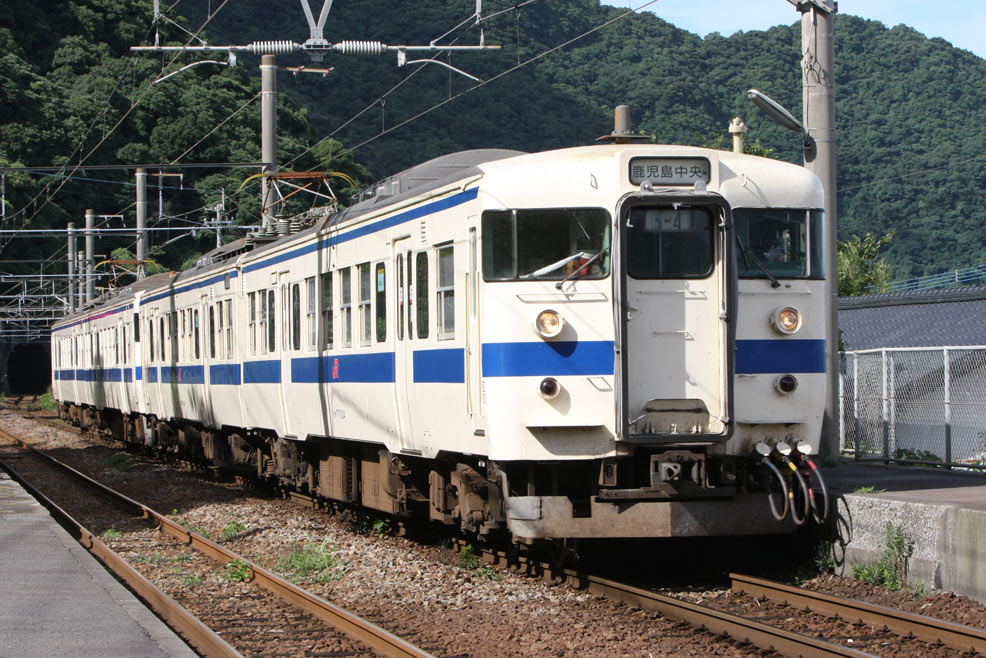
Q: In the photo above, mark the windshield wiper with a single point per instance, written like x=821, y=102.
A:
x=580, y=268
x=748, y=255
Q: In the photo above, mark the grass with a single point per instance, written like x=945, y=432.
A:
x=366, y=524
x=237, y=571
x=311, y=561
x=110, y=533
x=468, y=559
x=891, y=570
x=232, y=529
x=868, y=489
x=193, y=581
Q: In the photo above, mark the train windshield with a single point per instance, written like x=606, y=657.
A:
x=670, y=242
x=546, y=244
x=788, y=243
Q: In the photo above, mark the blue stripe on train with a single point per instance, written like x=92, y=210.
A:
x=445, y=366
x=782, y=355
x=543, y=358
x=360, y=368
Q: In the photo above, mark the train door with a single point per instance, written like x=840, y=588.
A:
x=404, y=333
x=676, y=296
x=473, y=339
x=137, y=356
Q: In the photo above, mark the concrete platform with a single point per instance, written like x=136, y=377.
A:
x=942, y=512
x=56, y=599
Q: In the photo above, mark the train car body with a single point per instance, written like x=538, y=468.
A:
x=582, y=343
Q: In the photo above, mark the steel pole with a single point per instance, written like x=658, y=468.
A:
x=71, y=267
x=141, y=222
x=818, y=96
x=268, y=139
x=90, y=270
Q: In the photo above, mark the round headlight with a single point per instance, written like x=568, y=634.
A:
x=786, y=384
x=549, y=388
x=548, y=324
x=786, y=320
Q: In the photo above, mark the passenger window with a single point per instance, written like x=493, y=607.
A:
x=296, y=317
x=262, y=296
x=160, y=344
x=327, y=310
x=195, y=322
x=399, y=266
x=229, y=328
x=252, y=322
x=446, y=292
x=381, y=302
x=421, y=292
x=150, y=341
x=346, y=307
x=364, y=304
x=212, y=332
x=310, y=311
x=271, y=325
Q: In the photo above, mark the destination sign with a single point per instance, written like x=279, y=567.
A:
x=669, y=171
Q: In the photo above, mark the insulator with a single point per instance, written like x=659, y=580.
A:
x=273, y=47
x=360, y=47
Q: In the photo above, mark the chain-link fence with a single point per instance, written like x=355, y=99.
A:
x=918, y=405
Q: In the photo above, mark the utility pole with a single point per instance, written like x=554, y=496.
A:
x=90, y=270
x=818, y=97
x=71, y=267
x=141, y=222
x=268, y=130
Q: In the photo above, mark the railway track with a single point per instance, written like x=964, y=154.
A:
x=257, y=619
x=875, y=627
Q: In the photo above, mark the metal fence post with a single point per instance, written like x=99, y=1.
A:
x=886, y=405
x=948, y=410
x=855, y=404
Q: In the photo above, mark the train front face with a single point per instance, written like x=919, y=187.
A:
x=618, y=416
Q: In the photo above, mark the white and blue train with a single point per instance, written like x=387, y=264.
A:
x=593, y=342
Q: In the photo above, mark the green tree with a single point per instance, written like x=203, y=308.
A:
x=861, y=268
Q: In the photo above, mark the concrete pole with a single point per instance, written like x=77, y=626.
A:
x=818, y=67
x=90, y=269
x=141, y=222
x=737, y=128
x=268, y=139
x=71, y=267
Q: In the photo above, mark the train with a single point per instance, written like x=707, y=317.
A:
x=610, y=341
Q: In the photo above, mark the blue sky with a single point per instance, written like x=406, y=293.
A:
x=960, y=22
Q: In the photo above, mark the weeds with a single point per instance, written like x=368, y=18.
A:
x=116, y=460
x=232, y=529
x=365, y=524
x=468, y=558
x=237, y=571
x=312, y=561
x=891, y=570
x=192, y=581
x=868, y=489
x=199, y=530
x=110, y=533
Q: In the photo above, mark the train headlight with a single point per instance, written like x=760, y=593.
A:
x=786, y=320
x=548, y=324
x=549, y=388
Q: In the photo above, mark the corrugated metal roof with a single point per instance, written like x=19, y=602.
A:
x=926, y=318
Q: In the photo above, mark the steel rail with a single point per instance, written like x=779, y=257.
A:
x=370, y=634
x=763, y=636
x=200, y=636
x=925, y=628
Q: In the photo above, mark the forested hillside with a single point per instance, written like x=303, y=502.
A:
x=911, y=111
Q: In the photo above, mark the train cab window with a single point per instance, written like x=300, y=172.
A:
x=295, y=316
x=445, y=292
x=421, y=292
x=346, y=306
x=380, y=279
x=670, y=242
x=212, y=332
x=271, y=324
x=327, y=310
x=545, y=244
x=364, y=304
x=310, y=303
x=787, y=242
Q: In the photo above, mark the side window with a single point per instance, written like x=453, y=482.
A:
x=346, y=307
x=327, y=310
x=271, y=324
x=212, y=332
x=380, y=277
x=229, y=328
x=310, y=303
x=399, y=297
x=116, y=347
x=262, y=297
x=421, y=292
x=285, y=317
x=364, y=304
x=160, y=338
x=296, y=316
x=195, y=323
x=446, y=292
x=252, y=321
x=150, y=340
